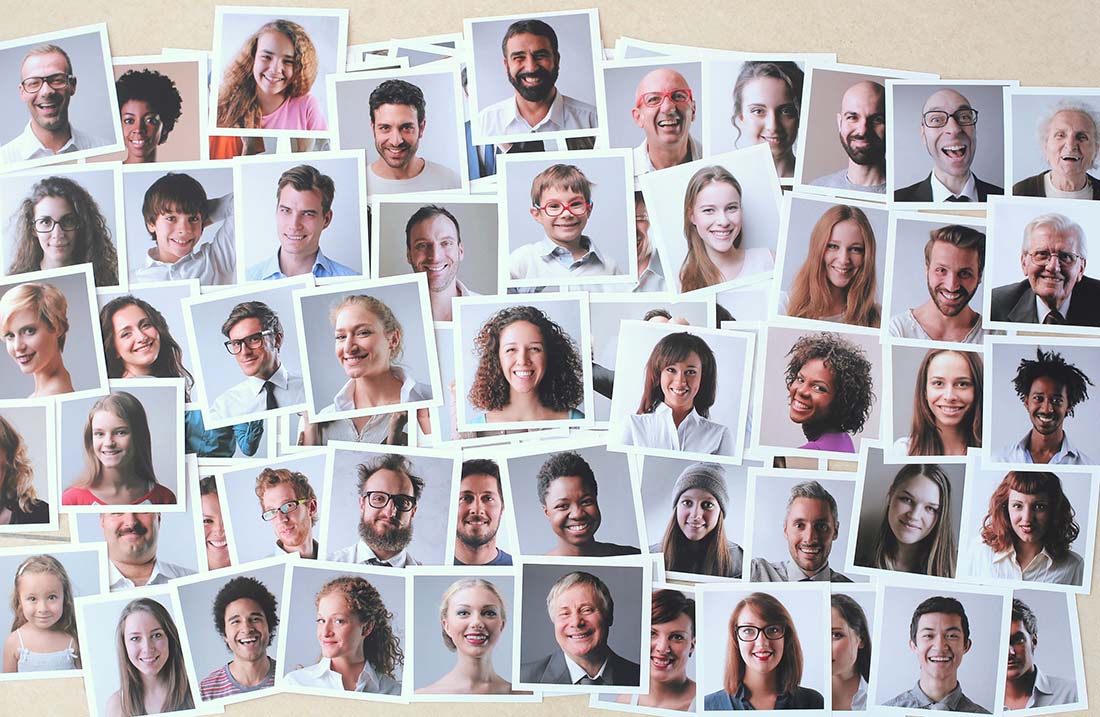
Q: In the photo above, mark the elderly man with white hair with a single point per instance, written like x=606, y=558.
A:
x=1068, y=140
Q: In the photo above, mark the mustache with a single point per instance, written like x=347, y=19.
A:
x=138, y=529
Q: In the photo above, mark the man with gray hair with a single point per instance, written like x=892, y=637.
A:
x=1055, y=289
x=582, y=610
x=810, y=526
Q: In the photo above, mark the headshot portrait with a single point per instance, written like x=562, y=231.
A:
x=1052, y=382
x=480, y=516
x=414, y=141
x=831, y=262
x=727, y=227
x=852, y=615
x=948, y=304
x=214, y=535
x=1040, y=614
x=543, y=80
x=571, y=634
x=909, y=516
x=947, y=120
x=160, y=107
x=302, y=218
x=43, y=72
x=1053, y=143
x=28, y=467
x=566, y=217
x=63, y=219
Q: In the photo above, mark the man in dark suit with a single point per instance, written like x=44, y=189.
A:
x=1055, y=289
x=582, y=610
x=948, y=128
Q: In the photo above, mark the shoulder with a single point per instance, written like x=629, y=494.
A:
x=440, y=172
x=303, y=677
x=805, y=698
x=533, y=671
x=1030, y=187
x=919, y=192
x=627, y=672
x=719, y=700
x=114, y=704
x=78, y=496
x=161, y=494
x=986, y=189
x=580, y=107
x=1010, y=290
x=1088, y=286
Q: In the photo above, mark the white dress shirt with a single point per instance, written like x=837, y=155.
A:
x=545, y=259
x=577, y=673
x=940, y=193
x=984, y=563
x=644, y=165
x=323, y=676
x=695, y=434
x=212, y=262
x=249, y=396
x=26, y=146
x=362, y=554
x=162, y=573
x=503, y=118
x=411, y=390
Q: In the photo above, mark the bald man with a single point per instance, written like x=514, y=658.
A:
x=664, y=108
x=949, y=127
x=861, y=124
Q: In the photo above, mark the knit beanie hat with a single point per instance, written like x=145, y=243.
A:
x=707, y=476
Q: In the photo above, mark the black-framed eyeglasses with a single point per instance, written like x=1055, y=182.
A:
x=554, y=209
x=679, y=96
x=966, y=117
x=59, y=80
x=748, y=633
x=286, y=508
x=252, y=341
x=1041, y=257
x=378, y=499
x=45, y=225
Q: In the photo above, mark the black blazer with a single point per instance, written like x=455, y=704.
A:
x=922, y=190
x=551, y=670
x=1036, y=187
x=1016, y=303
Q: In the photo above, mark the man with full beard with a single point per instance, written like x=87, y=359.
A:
x=861, y=123
x=480, y=506
x=954, y=259
x=532, y=62
x=388, y=494
x=132, y=551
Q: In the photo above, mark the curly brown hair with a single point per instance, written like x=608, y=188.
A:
x=851, y=405
x=382, y=648
x=560, y=389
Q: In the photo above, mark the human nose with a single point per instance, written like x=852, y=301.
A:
x=771, y=120
x=389, y=508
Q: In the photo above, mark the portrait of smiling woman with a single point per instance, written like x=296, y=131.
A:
x=947, y=405
x=569, y=496
x=830, y=390
x=34, y=321
x=767, y=101
x=695, y=539
x=151, y=664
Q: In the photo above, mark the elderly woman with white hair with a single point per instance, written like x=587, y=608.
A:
x=1068, y=139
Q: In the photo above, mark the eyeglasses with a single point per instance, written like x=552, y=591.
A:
x=378, y=499
x=1041, y=257
x=748, y=633
x=254, y=341
x=286, y=508
x=57, y=81
x=45, y=225
x=555, y=209
x=966, y=117
x=679, y=96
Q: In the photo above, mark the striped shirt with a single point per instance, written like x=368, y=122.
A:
x=220, y=682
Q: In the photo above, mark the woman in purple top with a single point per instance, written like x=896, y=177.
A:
x=830, y=390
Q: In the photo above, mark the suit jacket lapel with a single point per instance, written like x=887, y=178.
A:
x=1024, y=310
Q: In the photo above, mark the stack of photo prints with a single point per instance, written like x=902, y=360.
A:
x=501, y=365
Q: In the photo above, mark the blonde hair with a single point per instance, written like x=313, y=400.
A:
x=698, y=270
x=46, y=564
x=445, y=603
x=17, y=476
x=46, y=300
x=377, y=307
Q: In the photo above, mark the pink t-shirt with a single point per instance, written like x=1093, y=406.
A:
x=159, y=495
x=297, y=113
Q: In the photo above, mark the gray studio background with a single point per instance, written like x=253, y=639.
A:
x=238, y=25
x=432, y=510
x=175, y=541
x=776, y=427
x=166, y=299
x=448, y=412
x=607, y=222
x=899, y=672
x=165, y=431
x=1025, y=147
x=300, y=628
x=83, y=352
x=876, y=485
x=1008, y=420
x=478, y=225
x=82, y=565
x=908, y=285
x=627, y=590
x=419, y=57
x=325, y=373
x=620, y=88
x=258, y=205
x=804, y=214
x=208, y=649
x=253, y=537
x=862, y=594
x=911, y=160
x=99, y=183
x=30, y=423
x=90, y=109
x=442, y=124
x=565, y=312
x=217, y=180
x=432, y=658
x=905, y=361
x=615, y=496
x=1055, y=632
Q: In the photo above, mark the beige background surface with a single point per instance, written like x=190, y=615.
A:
x=1034, y=44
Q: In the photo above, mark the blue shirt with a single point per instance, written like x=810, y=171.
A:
x=323, y=268
x=218, y=442
x=799, y=698
x=502, y=558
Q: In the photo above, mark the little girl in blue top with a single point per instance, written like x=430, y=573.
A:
x=43, y=633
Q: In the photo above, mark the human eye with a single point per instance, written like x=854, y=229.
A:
x=858, y=249
x=905, y=499
x=127, y=120
x=832, y=246
x=170, y=218
x=1040, y=506
x=707, y=505
x=490, y=612
x=877, y=119
x=757, y=110
x=692, y=372
x=933, y=509
x=850, y=117
x=194, y=219
x=789, y=111
x=821, y=388
x=340, y=337
x=1015, y=505
x=555, y=206
x=837, y=635
x=937, y=382
x=561, y=506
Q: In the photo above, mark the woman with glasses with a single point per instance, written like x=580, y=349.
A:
x=34, y=322
x=60, y=224
x=763, y=661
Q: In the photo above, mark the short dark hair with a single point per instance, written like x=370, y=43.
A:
x=397, y=92
x=482, y=467
x=1050, y=364
x=943, y=604
x=306, y=177
x=157, y=90
x=245, y=587
x=959, y=236
x=268, y=319
x=393, y=462
x=654, y=313
x=559, y=465
x=207, y=486
x=668, y=605
x=174, y=192
x=1022, y=613
x=530, y=27
x=426, y=212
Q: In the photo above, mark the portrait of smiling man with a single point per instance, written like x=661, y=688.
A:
x=398, y=119
x=480, y=508
x=810, y=526
x=388, y=496
x=245, y=615
x=665, y=109
x=132, y=540
x=861, y=126
x=433, y=246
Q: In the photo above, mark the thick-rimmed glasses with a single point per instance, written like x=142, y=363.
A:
x=286, y=508
x=45, y=225
x=748, y=633
x=253, y=341
x=1041, y=257
x=966, y=117
x=57, y=81
x=555, y=209
x=378, y=499
x=679, y=96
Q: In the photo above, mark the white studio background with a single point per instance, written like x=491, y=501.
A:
x=905, y=365
x=166, y=299
x=1055, y=632
x=82, y=567
x=904, y=282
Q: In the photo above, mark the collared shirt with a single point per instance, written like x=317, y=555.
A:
x=432, y=177
x=954, y=701
x=984, y=563
x=410, y=391
x=859, y=699
x=279, y=551
x=249, y=396
x=1042, y=309
x=652, y=278
x=162, y=573
x=940, y=193
x=323, y=268
x=577, y=673
x=212, y=262
x=643, y=164
x=1067, y=455
x=322, y=675
x=906, y=326
x=695, y=434
x=1049, y=691
x=503, y=118
x=762, y=571
x=545, y=259
x=26, y=146
x=362, y=554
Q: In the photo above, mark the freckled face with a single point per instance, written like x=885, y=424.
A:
x=340, y=633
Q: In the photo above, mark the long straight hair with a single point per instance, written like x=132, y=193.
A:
x=131, y=692
x=709, y=556
x=698, y=270
x=925, y=438
x=129, y=409
x=938, y=548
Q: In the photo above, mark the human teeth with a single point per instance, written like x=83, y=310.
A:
x=939, y=659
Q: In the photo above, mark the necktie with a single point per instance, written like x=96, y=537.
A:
x=269, y=388
x=1054, y=317
x=586, y=680
x=376, y=561
x=954, y=198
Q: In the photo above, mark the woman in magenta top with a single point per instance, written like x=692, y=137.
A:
x=830, y=391
x=118, y=457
